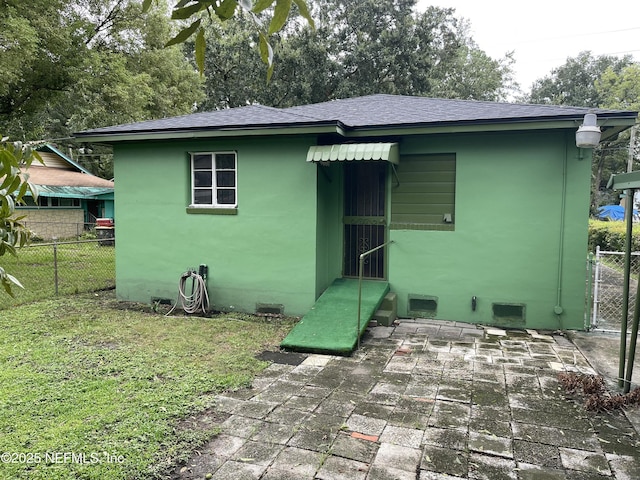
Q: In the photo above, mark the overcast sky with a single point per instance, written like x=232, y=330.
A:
x=543, y=34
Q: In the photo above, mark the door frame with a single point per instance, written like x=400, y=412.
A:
x=365, y=224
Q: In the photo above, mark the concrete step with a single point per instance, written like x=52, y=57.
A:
x=384, y=317
x=390, y=302
x=388, y=311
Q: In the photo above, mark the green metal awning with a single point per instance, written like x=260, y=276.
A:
x=71, y=192
x=348, y=152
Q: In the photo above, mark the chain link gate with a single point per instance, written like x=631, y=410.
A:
x=608, y=287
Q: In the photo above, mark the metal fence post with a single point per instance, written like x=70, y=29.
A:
x=596, y=289
x=587, y=316
x=55, y=264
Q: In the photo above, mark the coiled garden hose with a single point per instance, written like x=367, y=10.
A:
x=198, y=299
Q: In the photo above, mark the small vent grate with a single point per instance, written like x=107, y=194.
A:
x=423, y=306
x=270, y=308
x=509, y=312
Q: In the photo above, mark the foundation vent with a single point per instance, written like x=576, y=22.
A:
x=270, y=308
x=425, y=306
x=512, y=313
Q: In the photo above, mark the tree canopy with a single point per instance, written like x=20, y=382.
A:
x=599, y=82
x=70, y=66
x=574, y=83
x=88, y=63
x=620, y=89
x=358, y=47
x=222, y=10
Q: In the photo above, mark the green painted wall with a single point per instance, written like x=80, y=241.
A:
x=329, y=221
x=264, y=254
x=506, y=244
x=285, y=244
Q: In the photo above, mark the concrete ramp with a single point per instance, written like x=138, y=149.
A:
x=331, y=324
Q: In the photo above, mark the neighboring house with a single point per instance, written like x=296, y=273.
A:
x=69, y=196
x=487, y=205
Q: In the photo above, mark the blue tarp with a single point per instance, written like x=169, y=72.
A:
x=615, y=212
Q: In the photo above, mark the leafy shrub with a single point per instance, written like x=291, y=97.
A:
x=610, y=236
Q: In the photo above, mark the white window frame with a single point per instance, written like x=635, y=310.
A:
x=214, y=188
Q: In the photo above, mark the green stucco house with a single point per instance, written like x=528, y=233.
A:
x=486, y=205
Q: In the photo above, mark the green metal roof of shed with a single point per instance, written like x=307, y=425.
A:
x=72, y=192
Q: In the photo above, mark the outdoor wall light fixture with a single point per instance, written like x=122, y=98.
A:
x=588, y=135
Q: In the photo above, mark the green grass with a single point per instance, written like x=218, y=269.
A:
x=88, y=375
x=82, y=267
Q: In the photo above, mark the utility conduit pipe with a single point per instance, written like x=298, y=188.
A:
x=558, y=310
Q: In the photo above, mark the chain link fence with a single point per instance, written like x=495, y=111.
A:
x=608, y=289
x=60, y=268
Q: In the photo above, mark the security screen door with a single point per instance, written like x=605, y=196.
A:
x=364, y=217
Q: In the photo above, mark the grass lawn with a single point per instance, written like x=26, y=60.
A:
x=82, y=267
x=86, y=375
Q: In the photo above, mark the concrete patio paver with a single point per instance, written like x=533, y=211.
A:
x=429, y=400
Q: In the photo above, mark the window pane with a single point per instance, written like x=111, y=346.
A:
x=202, y=162
x=203, y=179
x=54, y=202
x=226, y=179
x=43, y=201
x=226, y=197
x=202, y=197
x=225, y=161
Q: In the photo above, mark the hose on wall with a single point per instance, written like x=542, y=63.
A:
x=198, y=299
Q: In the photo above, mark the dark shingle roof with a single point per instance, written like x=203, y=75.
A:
x=233, y=117
x=362, y=112
x=380, y=110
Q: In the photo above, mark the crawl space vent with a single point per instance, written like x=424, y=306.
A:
x=509, y=312
x=425, y=306
x=270, y=308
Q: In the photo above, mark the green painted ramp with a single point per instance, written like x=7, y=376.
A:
x=331, y=324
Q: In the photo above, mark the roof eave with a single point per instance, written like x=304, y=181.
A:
x=260, y=130
x=611, y=126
